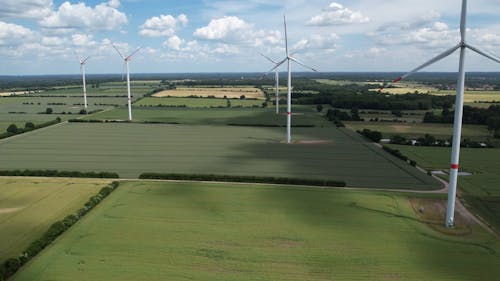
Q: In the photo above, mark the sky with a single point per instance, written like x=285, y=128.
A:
x=39, y=37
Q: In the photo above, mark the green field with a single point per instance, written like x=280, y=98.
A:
x=197, y=102
x=482, y=189
x=29, y=206
x=131, y=149
x=415, y=130
x=193, y=231
x=303, y=115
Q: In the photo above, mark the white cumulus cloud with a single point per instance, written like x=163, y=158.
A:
x=104, y=16
x=13, y=34
x=336, y=14
x=164, y=25
x=31, y=9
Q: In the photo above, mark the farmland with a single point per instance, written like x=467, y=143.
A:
x=29, y=206
x=193, y=231
x=234, y=150
x=415, y=130
x=303, y=116
x=481, y=190
x=198, y=102
x=217, y=92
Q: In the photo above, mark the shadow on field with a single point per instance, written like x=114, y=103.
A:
x=327, y=152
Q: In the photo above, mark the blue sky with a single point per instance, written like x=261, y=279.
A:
x=42, y=36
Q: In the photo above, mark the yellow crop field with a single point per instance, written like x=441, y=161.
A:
x=229, y=92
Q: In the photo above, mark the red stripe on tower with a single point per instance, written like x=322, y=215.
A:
x=454, y=166
x=289, y=113
x=397, y=80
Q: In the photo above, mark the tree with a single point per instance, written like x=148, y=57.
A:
x=12, y=129
x=319, y=107
x=242, y=97
x=397, y=139
x=83, y=111
x=29, y=126
x=48, y=110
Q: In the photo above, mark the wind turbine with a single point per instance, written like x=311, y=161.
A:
x=277, y=80
x=82, y=68
x=289, y=59
x=459, y=102
x=126, y=60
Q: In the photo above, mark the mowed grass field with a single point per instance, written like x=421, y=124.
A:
x=218, y=92
x=29, y=206
x=197, y=102
x=482, y=189
x=131, y=149
x=193, y=231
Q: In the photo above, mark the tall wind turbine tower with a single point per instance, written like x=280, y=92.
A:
x=459, y=102
x=277, y=82
x=82, y=68
x=126, y=61
x=288, y=60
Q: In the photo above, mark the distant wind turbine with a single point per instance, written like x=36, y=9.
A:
x=288, y=59
x=459, y=102
x=82, y=68
x=126, y=60
x=277, y=80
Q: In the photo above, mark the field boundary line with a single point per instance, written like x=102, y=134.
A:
x=9, y=139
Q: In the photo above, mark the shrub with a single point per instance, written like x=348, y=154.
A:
x=12, y=129
x=48, y=110
x=236, y=178
x=29, y=126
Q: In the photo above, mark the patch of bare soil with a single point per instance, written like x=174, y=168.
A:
x=432, y=212
x=9, y=210
x=314, y=142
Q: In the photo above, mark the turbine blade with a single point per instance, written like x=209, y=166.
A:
x=118, y=51
x=483, y=53
x=276, y=66
x=304, y=65
x=268, y=58
x=286, y=36
x=431, y=61
x=133, y=53
x=463, y=20
x=85, y=60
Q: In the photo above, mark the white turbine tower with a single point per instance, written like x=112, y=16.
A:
x=288, y=59
x=277, y=80
x=126, y=60
x=457, y=126
x=82, y=68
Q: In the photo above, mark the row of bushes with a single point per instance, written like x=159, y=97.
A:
x=29, y=126
x=399, y=155
x=374, y=136
x=12, y=265
x=60, y=174
x=236, y=178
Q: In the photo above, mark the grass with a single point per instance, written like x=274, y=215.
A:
x=192, y=231
x=415, y=130
x=29, y=206
x=197, y=102
x=218, y=92
x=131, y=149
x=305, y=115
x=481, y=190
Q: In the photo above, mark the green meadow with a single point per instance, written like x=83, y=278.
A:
x=194, y=231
